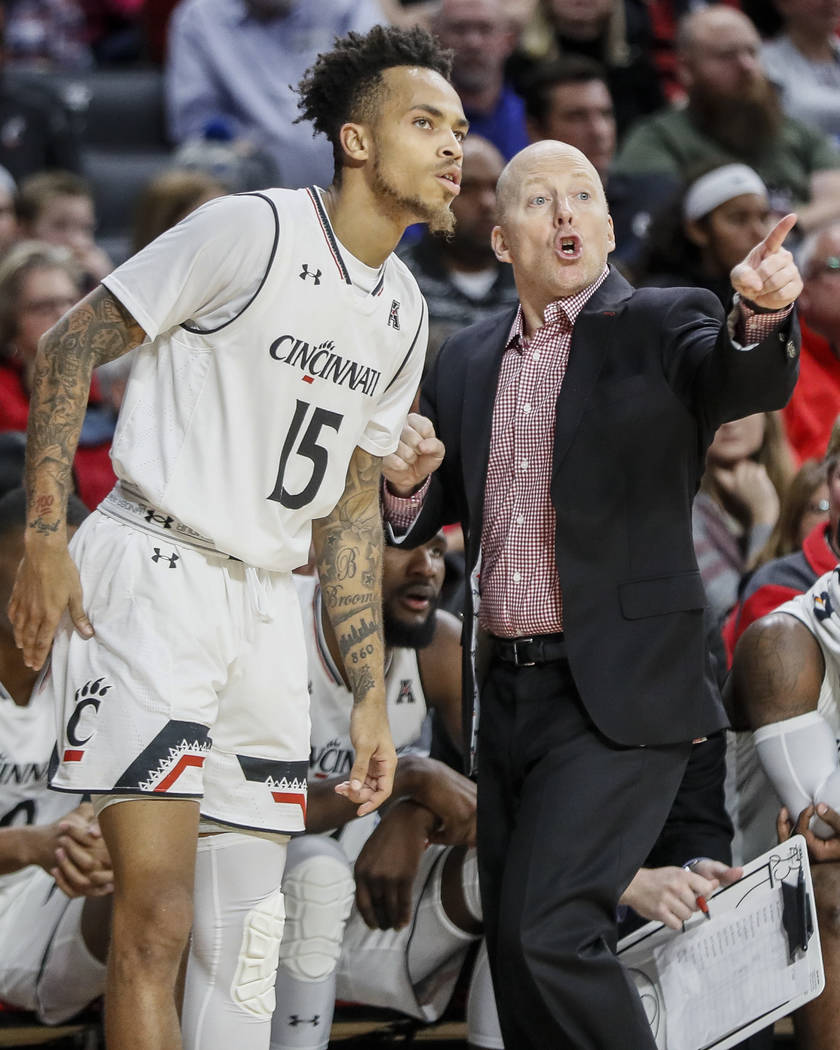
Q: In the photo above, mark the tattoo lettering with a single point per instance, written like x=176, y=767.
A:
x=44, y=504
x=44, y=527
x=345, y=563
x=349, y=555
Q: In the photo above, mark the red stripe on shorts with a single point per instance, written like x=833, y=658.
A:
x=183, y=762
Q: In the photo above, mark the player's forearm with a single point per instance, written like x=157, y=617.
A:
x=326, y=810
x=21, y=847
x=348, y=548
x=98, y=329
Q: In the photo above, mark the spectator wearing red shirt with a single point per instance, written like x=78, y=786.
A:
x=810, y=413
x=784, y=578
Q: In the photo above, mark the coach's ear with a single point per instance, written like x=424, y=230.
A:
x=356, y=141
x=499, y=244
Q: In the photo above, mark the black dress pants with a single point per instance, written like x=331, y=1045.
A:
x=565, y=819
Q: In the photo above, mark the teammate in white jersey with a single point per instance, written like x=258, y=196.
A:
x=281, y=344
x=416, y=882
x=785, y=686
x=52, y=947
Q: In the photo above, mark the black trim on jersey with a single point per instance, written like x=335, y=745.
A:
x=211, y=331
x=324, y=219
x=410, y=349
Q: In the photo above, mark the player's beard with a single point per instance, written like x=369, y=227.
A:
x=439, y=220
x=746, y=124
x=401, y=635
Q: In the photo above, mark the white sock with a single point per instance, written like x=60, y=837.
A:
x=799, y=756
x=237, y=927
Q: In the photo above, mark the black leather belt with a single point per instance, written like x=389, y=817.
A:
x=528, y=652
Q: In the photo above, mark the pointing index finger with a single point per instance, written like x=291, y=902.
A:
x=775, y=238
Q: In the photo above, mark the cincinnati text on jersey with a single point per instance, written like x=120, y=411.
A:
x=29, y=773
x=323, y=362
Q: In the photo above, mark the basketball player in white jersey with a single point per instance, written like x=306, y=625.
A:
x=52, y=947
x=785, y=686
x=280, y=346
x=416, y=882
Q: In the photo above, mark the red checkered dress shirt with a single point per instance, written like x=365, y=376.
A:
x=520, y=588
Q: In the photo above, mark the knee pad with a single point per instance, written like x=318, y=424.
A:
x=318, y=888
x=252, y=987
x=237, y=929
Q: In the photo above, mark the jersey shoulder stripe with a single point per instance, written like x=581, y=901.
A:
x=218, y=328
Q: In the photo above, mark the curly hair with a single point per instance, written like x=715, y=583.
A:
x=345, y=84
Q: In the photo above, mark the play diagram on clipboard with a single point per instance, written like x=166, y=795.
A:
x=716, y=982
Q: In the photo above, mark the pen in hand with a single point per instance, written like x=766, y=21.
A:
x=703, y=906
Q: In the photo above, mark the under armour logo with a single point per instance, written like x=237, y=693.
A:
x=171, y=558
x=306, y=272
x=163, y=520
x=394, y=315
x=294, y=1020
x=405, y=695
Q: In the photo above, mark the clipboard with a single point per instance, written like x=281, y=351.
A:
x=716, y=982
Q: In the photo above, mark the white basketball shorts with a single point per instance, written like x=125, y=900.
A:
x=194, y=685
x=374, y=964
x=44, y=964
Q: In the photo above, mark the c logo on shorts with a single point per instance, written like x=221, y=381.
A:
x=90, y=695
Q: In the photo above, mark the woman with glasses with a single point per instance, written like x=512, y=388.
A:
x=39, y=282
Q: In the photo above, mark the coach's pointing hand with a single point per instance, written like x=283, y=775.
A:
x=768, y=277
x=419, y=454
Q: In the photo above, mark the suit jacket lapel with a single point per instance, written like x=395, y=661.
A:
x=482, y=377
x=594, y=330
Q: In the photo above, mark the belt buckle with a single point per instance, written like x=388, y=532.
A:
x=521, y=663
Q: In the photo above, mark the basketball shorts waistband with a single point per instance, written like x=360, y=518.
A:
x=128, y=505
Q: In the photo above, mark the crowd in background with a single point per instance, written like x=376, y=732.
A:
x=705, y=122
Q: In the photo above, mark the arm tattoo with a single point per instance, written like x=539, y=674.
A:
x=349, y=548
x=96, y=330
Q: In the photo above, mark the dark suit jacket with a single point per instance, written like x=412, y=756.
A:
x=652, y=373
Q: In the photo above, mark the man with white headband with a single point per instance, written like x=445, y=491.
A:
x=785, y=685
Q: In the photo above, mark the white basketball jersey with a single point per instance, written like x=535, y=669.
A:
x=244, y=432
x=27, y=740
x=754, y=803
x=331, y=702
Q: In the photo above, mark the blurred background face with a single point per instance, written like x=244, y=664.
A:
x=815, y=511
x=723, y=59
x=8, y=221
x=579, y=19
x=820, y=299
x=736, y=441
x=479, y=33
x=729, y=231
x=582, y=115
x=45, y=295
x=68, y=221
x=475, y=207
